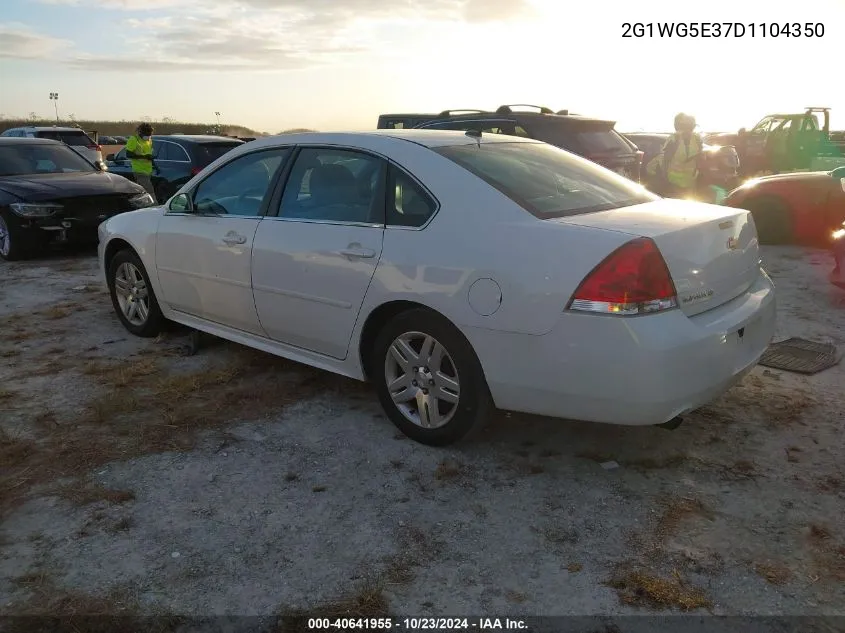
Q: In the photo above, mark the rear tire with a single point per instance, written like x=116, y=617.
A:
x=446, y=399
x=773, y=221
x=132, y=295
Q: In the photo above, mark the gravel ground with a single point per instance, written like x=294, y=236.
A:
x=138, y=481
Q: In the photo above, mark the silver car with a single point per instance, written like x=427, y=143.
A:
x=77, y=139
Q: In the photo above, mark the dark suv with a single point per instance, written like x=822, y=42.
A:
x=178, y=158
x=594, y=139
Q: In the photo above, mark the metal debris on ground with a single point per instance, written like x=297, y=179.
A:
x=800, y=356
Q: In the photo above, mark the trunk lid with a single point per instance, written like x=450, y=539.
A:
x=711, y=251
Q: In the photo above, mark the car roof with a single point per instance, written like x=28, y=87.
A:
x=21, y=140
x=47, y=128
x=519, y=115
x=426, y=138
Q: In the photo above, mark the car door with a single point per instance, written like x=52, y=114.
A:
x=313, y=260
x=204, y=240
x=173, y=168
x=119, y=164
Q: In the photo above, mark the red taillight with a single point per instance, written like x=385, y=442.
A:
x=633, y=279
x=195, y=171
x=640, y=155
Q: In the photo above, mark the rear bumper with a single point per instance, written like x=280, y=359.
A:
x=632, y=371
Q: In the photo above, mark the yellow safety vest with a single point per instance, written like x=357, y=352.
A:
x=681, y=168
x=137, y=145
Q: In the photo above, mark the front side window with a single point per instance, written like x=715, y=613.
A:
x=545, y=180
x=335, y=185
x=16, y=160
x=240, y=186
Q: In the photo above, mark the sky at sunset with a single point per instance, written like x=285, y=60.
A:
x=338, y=64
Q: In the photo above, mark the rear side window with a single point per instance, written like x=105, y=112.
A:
x=165, y=150
x=207, y=153
x=601, y=142
x=545, y=180
x=76, y=139
x=408, y=203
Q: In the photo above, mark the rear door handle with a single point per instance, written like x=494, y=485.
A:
x=232, y=238
x=360, y=253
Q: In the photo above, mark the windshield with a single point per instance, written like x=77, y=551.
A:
x=207, y=153
x=36, y=158
x=545, y=180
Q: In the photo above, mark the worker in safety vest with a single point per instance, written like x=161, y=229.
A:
x=139, y=150
x=676, y=167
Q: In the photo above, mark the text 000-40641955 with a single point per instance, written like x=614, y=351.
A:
x=723, y=29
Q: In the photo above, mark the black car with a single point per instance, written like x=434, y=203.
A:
x=49, y=193
x=594, y=139
x=178, y=158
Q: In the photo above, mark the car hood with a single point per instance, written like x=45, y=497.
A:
x=804, y=176
x=38, y=187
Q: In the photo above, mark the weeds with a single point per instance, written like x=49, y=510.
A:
x=644, y=589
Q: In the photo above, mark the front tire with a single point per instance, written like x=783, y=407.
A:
x=13, y=245
x=132, y=295
x=429, y=380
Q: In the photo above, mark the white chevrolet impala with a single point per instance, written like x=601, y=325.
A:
x=456, y=272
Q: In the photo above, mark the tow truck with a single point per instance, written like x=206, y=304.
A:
x=781, y=143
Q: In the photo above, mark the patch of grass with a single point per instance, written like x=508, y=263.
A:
x=516, y=597
x=415, y=548
x=397, y=464
x=773, y=573
x=828, y=555
x=574, y=568
x=560, y=535
x=177, y=407
x=819, y=532
x=595, y=456
x=55, y=313
x=830, y=483
x=6, y=394
x=368, y=601
x=774, y=407
x=10, y=353
x=319, y=489
x=88, y=494
x=644, y=589
x=675, y=511
x=291, y=476
x=549, y=452
x=121, y=525
x=449, y=469
x=662, y=462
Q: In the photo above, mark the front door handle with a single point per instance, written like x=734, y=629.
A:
x=358, y=252
x=231, y=238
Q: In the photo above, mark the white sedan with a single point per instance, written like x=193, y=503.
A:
x=458, y=273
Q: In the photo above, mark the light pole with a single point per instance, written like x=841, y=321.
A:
x=54, y=97
x=217, y=114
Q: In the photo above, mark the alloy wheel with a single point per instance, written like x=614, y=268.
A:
x=132, y=294
x=422, y=380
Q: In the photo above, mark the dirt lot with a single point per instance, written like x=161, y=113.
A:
x=136, y=480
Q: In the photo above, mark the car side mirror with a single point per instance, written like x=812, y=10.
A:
x=109, y=156
x=180, y=203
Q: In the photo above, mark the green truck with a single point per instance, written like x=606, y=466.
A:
x=781, y=143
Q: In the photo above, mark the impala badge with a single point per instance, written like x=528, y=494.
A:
x=732, y=243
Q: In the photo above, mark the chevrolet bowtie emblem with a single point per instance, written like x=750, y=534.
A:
x=732, y=243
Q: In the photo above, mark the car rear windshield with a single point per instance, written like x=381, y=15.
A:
x=587, y=138
x=77, y=139
x=207, y=153
x=545, y=180
x=19, y=160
